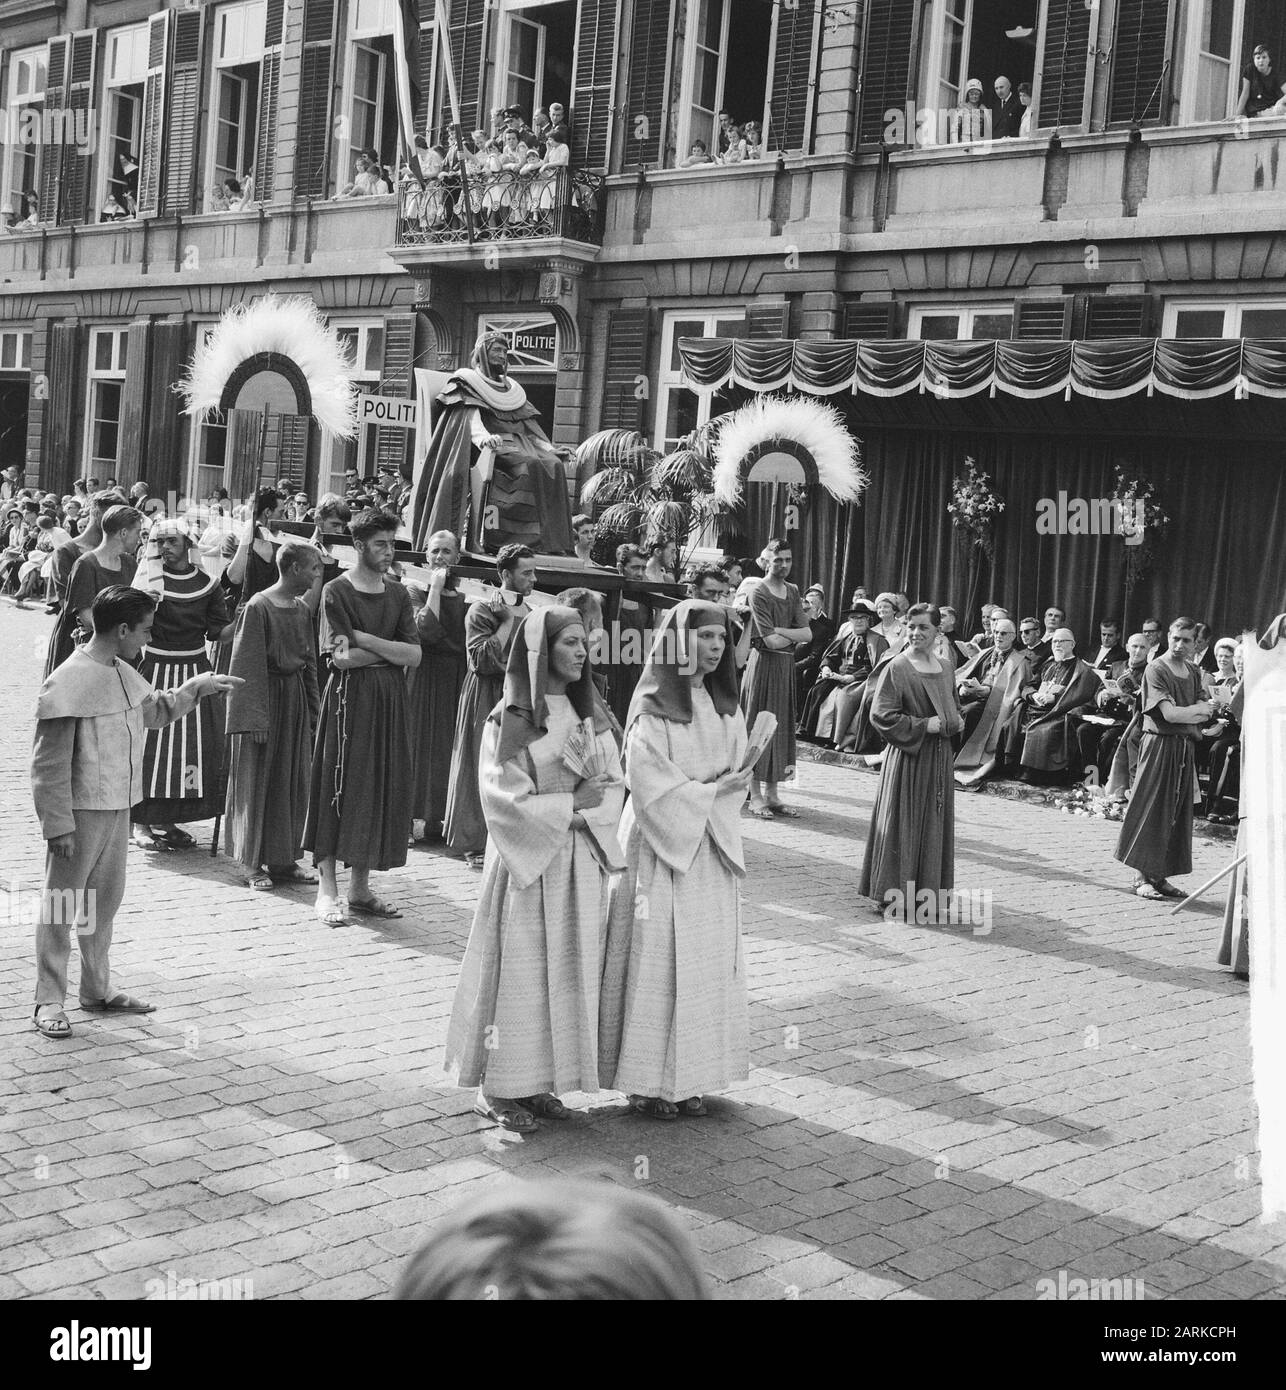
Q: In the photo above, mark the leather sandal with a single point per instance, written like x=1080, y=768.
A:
x=53, y=1025
x=546, y=1106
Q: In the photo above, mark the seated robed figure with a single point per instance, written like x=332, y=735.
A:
x=846, y=665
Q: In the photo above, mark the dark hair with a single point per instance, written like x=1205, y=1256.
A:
x=776, y=546
x=118, y=604
x=332, y=505
x=234, y=185
x=581, y=519
x=1184, y=624
x=925, y=610
x=372, y=523
x=625, y=553
x=1110, y=622
x=658, y=544
x=703, y=572
x=120, y=518
x=267, y=499
x=508, y=556
x=104, y=501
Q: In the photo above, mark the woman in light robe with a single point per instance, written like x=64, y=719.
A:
x=524, y=1025
x=674, y=1014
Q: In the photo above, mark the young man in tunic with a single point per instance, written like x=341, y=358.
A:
x=911, y=845
x=524, y=1025
x=110, y=562
x=62, y=638
x=674, y=1004
x=86, y=772
x=270, y=724
x=359, y=803
x=780, y=623
x=1156, y=834
x=490, y=626
x=436, y=685
x=183, y=762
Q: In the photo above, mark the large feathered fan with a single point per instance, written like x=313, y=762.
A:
x=787, y=439
x=292, y=327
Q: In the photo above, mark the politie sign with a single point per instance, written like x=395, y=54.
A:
x=386, y=410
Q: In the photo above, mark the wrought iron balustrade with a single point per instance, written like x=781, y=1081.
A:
x=509, y=206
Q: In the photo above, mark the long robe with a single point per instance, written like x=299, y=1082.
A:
x=1049, y=744
x=525, y=1017
x=61, y=639
x=435, y=702
x=183, y=772
x=85, y=581
x=911, y=844
x=996, y=731
x=769, y=680
x=464, y=827
x=626, y=640
x=359, y=801
x=674, y=1006
x=1156, y=834
x=270, y=725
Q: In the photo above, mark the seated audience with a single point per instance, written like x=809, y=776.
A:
x=1110, y=651
x=1100, y=732
x=1067, y=688
x=990, y=687
x=846, y=665
x=808, y=656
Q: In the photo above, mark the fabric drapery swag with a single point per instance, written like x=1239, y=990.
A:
x=1109, y=369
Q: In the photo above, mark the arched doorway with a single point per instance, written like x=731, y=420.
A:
x=262, y=434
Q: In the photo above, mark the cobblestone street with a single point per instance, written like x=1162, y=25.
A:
x=931, y=1113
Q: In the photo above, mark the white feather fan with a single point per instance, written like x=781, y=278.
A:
x=817, y=428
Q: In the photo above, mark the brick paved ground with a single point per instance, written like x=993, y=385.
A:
x=931, y=1113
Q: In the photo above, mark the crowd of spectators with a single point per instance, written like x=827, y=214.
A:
x=734, y=143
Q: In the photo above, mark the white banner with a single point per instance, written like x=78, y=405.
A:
x=386, y=410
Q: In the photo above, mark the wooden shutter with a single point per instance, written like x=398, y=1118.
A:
x=793, y=82
x=1065, y=62
x=77, y=161
x=269, y=92
x=1140, y=61
x=399, y=349
x=243, y=453
x=625, y=362
x=887, y=79
x=468, y=40
x=768, y=321
x=183, y=106
x=1043, y=318
x=871, y=319
x=51, y=165
x=651, y=42
x=285, y=452
x=428, y=69
x=593, y=86
x=315, y=80
x=65, y=406
x=153, y=132
x=1117, y=315
x=162, y=423
x=129, y=448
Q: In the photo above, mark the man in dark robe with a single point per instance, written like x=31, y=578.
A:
x=1156, y=834
x=1031, y=639
x=808, y=657
x=846, y=666
x=989, y=687
x=491, y=474
x=1098, y=736
x=1067, y=689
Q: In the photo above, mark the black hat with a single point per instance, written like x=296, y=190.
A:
x=864, y=608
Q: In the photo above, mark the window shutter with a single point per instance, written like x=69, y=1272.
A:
x=871, y=319
x=1043, y=318
x=65, y=406
x=129, y=452
x=626, y=360
x=162, y=458
x=468, y=40
x=285, y=451
x=593, y=85
x=886, y=66
x=269, y=92
x=77, y=162
x=651, y=42
x=183, y=110
x=51, y=165
x=1118, y=315
x=315, y=81
x=1140, y=61
x=794, y=76
x=399, y=350
x=153, y=132
x=768, y=321
x=1064, y=63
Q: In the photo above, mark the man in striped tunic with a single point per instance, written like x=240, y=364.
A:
x=182, y=762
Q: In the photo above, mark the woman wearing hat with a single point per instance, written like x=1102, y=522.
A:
x=971, y=120
x=674, y=977
x=846, y=665
x=524, y=1025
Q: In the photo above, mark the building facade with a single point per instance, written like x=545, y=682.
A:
x=1137, y=206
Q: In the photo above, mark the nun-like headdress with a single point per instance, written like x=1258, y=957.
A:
x=665, y=687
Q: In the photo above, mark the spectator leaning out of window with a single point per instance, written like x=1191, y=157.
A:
x=1263, y=92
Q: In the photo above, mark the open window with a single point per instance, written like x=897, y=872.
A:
x=680, y=409
x=24, y=112
x=369, y=118
x=725, y=69
x=535, y=53
x=963, y=39
x=364, y=342
x=124, y=76
x=1213, y=44
x=235, y=104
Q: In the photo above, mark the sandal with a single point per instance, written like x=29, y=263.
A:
x=547, y=1106
x=294, y=874
x=54, y=1025
x=1149, y=891
x=508, y=1114
x=117, y=1004
x=373, y=907
x=144, y=839
x=1168, y=890
x=260, y=882
x=330, y=912
x=780, y=809
x=176, y=839
x=694, y=1105
x=654, y=1107
x=760, y=812
x=475, y=861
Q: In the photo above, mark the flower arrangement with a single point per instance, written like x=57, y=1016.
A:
x=974, y=506
x=1140, y=520
x=1083, y=800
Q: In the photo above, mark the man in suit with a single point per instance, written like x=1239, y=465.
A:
x=1111, y=652
x=1034, y=641
x=1007, y=111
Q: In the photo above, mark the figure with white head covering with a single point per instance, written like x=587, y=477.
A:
x=674, y=1012
x=524, y=1026
x=183, y=773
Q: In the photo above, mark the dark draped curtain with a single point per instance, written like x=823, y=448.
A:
x=1221, y=559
